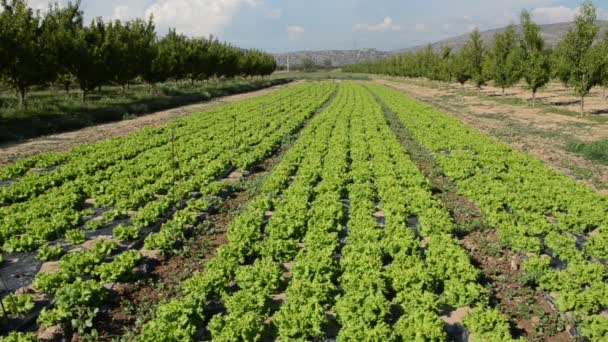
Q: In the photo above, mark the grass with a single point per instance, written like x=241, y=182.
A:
x=596, y=151
x=53, y=110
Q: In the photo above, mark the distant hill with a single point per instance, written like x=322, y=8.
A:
x=338, y=58
x=553, y=33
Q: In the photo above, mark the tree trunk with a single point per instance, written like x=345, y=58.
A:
x=533, y=98
x=83, y=95
x=67, y=87
x=21, y=93
x=503, y=91
x=582, y=106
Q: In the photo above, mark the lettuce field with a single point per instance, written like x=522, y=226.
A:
x=348, y=236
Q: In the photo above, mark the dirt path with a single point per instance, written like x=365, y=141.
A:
x=531, y=130
x=554, y=95
x=66, y=141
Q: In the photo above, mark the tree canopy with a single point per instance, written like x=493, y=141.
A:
x=36, y=50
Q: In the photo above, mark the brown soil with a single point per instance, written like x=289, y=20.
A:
x=531, y=130
x=135, y=304
x=533, y=316
x=66, y=141
x=554, y=94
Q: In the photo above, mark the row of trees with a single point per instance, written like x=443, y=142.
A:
x=36, y=50
x=580, y=61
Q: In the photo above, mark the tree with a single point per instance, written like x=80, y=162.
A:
x=160, y=68
x=90, y=67
x=60, y=29
x=129, y=49
x=559, y=65
x=603, y=47
x=474, y=50
x=584, y=60
x=504, y=59
x=536, y=67
x=227, y=59
x=177, y=51
x=27, y=60
x=459, y=66
x=445, y=72
x=198, y=61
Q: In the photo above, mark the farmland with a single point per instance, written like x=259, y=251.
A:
x=160, y=184
x=381, y=219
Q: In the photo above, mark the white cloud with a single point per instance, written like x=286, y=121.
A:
x=295, y=32
x=196, y=17
x=550, y=15
x=121, y=13
x=275, y=13
x=43, y=5
x=560, y=14
x=386, y=25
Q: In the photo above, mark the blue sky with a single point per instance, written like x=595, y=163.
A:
x=288, y=25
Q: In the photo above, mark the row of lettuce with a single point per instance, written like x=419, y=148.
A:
x=165, y=175
x=135, y=176
x=309, y=252
x=559, y=225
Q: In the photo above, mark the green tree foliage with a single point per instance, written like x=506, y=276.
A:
x=176, y=48
x=227, y=58
x=91, y=67
x=199, y=63
x=36, y=50
x=61, y=25
x=160, y=67
x=559, y=65
x=129, y=49
x=536, y=66
x=504, y=59
x=475, y=53
x=435, y=65
x=26, y=56
x=603, y=50
x=460, y=67
x=583, y=59
x=445, y=70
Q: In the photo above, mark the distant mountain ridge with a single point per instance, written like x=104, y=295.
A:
x=553, y=33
